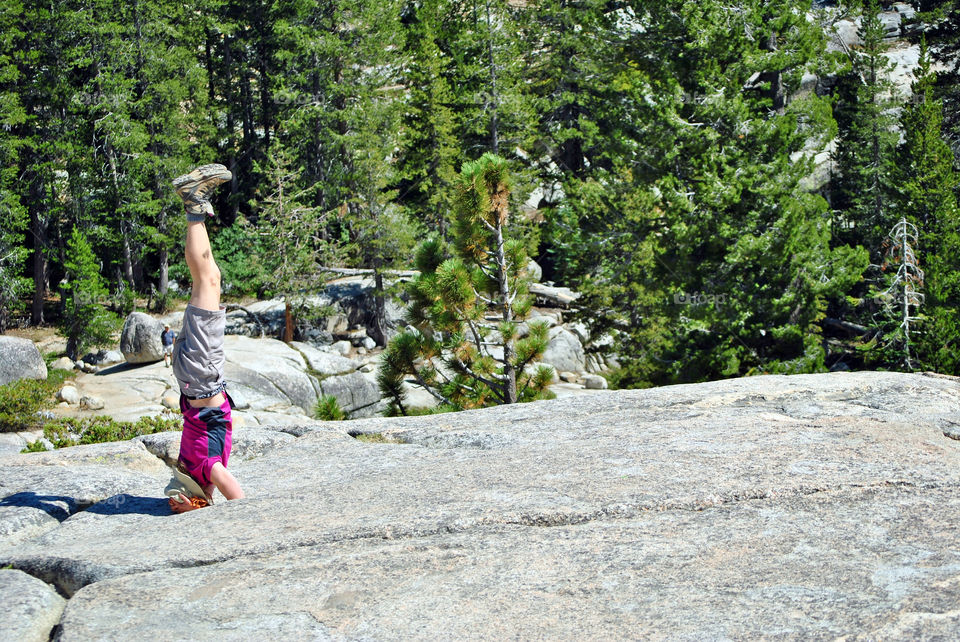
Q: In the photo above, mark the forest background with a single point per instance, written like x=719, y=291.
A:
x=663, y=162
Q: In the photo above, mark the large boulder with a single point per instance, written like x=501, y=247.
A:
x=140, y=340
x=322, y=363
x=20, y=359
x=565, y=351
x=355, y=297
x=357, y=395
x=270, y=374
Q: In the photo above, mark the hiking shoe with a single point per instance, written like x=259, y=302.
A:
x=194, y=189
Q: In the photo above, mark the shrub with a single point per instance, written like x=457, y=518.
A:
x=21, y=401
x=35, y=447
x=74, y=431
x=328, y=409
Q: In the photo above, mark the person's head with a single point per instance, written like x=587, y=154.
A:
x=166, y=326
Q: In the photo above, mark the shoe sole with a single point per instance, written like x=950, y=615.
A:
x=202, y=174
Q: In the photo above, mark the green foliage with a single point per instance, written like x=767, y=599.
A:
x=35, y=447
x=466, y=349
x=239, y=249
x=71, y=431
x=926, y=195
x=328, y=409
x=867, y=138
x=22, y=401
x=710, y=258
x=13, y=252
x=85, y=322
x=657, y=151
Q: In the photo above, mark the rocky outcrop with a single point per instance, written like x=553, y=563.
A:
x=31, y=608
x=324, y=364
x=357, y=395
x=807, y=506
x=20, y=359
x=565, y=351
x=270, y=374
x=272, y=383
x=140, y=339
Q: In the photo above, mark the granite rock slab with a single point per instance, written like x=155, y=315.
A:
x=31, y=609
x=854, y=562
x=803, y=506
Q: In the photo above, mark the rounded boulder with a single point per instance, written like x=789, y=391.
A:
x=140, y=339
x=20, y=359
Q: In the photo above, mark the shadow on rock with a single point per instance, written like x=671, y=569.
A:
x=122, y=367
x=130, y=505
x=58, y=507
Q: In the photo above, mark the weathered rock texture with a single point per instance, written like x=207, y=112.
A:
x=809, y=507
x=140, y=339
x=30, y=607
x=20, y=359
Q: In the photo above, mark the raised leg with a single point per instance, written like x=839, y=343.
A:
x=203, y=268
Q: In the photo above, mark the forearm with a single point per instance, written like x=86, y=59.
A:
x=226, y=483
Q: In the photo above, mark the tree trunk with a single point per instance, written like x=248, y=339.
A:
x=510, y=385
x=38, y=230
x=776, y=93
x=164, y=276
x=379, y=308
x=232, y=155
x=288, y=322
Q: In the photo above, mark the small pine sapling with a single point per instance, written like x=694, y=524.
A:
x=467, y=344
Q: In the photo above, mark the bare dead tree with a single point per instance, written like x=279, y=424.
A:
x=902, y=296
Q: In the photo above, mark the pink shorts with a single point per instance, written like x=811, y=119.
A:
x=206, y=439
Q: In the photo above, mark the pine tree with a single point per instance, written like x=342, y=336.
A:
x=13, y=216
x=42, y=131
x=939, y=25
x=926, y=194
x=576, y=85
x=291, y=247
x=85, y=321
x=13, y=252
x=467, y=309
x=864, y=150
x=924, y=176
x=427, y=165
x=729, y=269
x=347, y=130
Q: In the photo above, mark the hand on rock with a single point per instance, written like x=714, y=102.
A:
x=186, y=503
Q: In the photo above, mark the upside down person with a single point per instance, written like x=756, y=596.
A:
x=198, y=360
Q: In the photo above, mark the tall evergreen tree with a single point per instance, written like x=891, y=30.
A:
x=85, y=321
x=291, y=248
x=572, y=54
x=730, y=266
x=939, y=25
x=926, y=184
x=427, y=164
x=864, y=150
x=13, y=216
x=345, y=120
x=41, y=51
